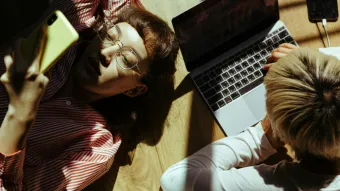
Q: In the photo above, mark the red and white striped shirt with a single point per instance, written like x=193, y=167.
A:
x=69, y=145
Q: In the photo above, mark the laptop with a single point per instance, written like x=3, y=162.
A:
x=224, y=44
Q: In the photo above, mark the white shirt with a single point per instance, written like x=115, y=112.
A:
x=214, y=168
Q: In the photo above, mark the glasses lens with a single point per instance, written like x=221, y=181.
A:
x=108, y=35
x=113, y=33
x=127, y=58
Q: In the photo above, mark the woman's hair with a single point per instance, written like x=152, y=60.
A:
x=159, y=40
x=146, y=113
x=303, y=102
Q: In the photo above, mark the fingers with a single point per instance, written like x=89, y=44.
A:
x=282, y=51
x=39, y=77
x=39, y=50
x=41, y=40
x=8, y=63
x=289, y=46
x=271, y=59
x=32, y=76
x=4, y=78
x=277, y=55
x=267, y=66
x=43, y=80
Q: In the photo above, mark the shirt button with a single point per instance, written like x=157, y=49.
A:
x=68, y=103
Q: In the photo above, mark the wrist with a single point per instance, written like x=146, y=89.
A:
x=18, y=122
x=14, y=130
x=22, y=114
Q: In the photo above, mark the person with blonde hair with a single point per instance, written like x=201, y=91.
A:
x=303, y=111
x=53, y=135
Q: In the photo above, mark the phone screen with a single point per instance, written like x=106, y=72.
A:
x=322, y=9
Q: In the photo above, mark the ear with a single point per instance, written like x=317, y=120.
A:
x=139, y=90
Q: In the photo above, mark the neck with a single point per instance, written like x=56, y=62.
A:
x=320, y=165
x=82, y=94
x=72, y=88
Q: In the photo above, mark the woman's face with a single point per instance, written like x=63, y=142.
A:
x=100, y=72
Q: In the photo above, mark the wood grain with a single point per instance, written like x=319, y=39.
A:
x=189, y=125
x=144, y=172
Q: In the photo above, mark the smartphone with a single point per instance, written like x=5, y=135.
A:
x=60, y=35
x=322, y=9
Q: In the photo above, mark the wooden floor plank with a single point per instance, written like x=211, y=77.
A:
x=189, y=125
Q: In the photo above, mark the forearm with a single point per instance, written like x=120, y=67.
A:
x=245, y=149
x=248, y=148
x=14, y=130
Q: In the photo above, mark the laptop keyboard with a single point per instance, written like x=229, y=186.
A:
x=234, y=77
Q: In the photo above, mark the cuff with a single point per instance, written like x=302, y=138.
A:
x=11, y=166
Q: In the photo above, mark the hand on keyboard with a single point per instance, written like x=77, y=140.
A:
x=278, y=53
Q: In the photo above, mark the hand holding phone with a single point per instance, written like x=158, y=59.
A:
x=60, y=35
x=24, y=83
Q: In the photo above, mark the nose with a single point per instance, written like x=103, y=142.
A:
x=106, y=54
x=104, y=60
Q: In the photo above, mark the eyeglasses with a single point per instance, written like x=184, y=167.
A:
x=126, y=57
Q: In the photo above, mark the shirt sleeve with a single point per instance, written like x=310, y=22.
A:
x=82, y=13
x=11, y=170
x=115, y=7
x=81, y=164
x=205, y=169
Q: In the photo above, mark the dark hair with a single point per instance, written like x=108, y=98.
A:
x=159, y=40
x=142, y=117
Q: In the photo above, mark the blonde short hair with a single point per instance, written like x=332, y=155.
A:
x=303, y=102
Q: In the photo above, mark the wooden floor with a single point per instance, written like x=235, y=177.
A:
x=189, y=125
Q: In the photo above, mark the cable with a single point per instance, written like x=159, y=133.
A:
x=324, y=24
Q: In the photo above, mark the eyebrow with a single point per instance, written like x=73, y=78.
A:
x=121, y=34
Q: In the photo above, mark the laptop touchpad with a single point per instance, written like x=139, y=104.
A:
x=256, y=101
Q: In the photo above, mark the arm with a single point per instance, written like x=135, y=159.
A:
x=204, y=169
x=13, y=133
x=25, y=87
x=86, y=159
x=75, y=168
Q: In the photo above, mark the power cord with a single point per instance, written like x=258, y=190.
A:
x=324, y=24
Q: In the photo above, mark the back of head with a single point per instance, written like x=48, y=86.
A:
x=303, y=102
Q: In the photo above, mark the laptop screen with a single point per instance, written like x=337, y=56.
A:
x=214, y=26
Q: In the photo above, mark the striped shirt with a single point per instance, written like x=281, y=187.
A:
x=69, y=145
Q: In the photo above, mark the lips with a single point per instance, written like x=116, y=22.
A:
x=103, y=60
x=94, y=65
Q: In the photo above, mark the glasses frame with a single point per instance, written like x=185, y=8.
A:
x=109, y=25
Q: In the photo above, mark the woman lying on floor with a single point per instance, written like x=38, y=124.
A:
x=50, y=137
